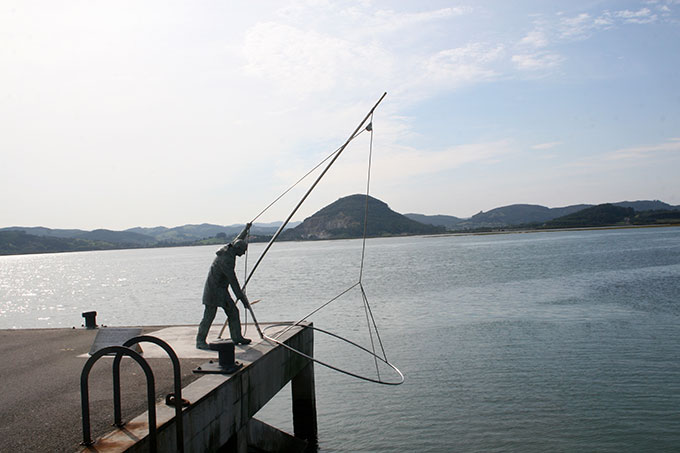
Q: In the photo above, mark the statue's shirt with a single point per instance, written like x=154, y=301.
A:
x=220, y=277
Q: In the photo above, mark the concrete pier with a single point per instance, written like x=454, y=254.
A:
x=40, y=398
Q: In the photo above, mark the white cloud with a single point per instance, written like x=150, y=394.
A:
x=535, y=38
x=544, y=146
x=393, y=164
x=360, y=20
x=605, y=21
x=408, y=162
x=452, y=68
x=583, y=25
x=645, y=151
x=391, y=21
x=642, y=16
x=577, y=27
x=537, y=61
x=357, y=54
x=305, y=61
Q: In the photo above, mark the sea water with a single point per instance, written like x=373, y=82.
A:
x=551, y=341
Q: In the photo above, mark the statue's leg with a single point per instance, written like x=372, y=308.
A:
x=234, y=323
x=209, y=313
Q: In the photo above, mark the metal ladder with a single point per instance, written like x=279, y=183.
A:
x=120, y=351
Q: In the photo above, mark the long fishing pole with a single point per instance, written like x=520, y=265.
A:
x=278, y=232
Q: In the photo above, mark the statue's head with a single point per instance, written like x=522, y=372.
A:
x=240, y=246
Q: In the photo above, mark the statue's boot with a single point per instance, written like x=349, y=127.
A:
x=235, y=331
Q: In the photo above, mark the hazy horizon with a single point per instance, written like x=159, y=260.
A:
x=278, y=222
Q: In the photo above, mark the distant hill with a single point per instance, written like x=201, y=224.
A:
x=527, y=215
x=447, y=221
x=647, y=205
x=48, y=232
x=117, y=237
x=520, y=214
x=345, y=219
x=516, y=214
x=188, y=233
x=13, y=242
x=185, y=233
x=600, y=215
x=666, y=217
x=341, y=219
x=616, y=214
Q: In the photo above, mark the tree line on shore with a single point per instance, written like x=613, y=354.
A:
x=343, y=219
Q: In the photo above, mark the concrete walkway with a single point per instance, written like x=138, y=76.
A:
x=40, y=369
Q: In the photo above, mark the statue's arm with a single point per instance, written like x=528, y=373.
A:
x=242, y=235
x=227, y=268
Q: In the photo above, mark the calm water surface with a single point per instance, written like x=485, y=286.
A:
x=563, y=341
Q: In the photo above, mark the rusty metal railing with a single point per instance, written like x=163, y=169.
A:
x=178, y=402
x=150, y=391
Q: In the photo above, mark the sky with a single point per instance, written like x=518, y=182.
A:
x=164, y=113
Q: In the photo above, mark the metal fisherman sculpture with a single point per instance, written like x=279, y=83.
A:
x=216, y=292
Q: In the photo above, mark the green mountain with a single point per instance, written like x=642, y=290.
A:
x=49, y=232
x=342, y=219
x=600, y=215
x=618, y=214
x=521, y=213
x=117, y=237
x=647, y=205
x=345, y=219
x=655, y=217
x=13, y=242
x=527, y=215
x=185, y=233
x=516, y=214
x=190, y=233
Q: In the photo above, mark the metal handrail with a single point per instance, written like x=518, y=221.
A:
x=179, y=425
x=150, y=391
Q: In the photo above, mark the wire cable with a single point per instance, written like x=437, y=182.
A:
x=370, y=320
x=300, y=180
x=332, y=367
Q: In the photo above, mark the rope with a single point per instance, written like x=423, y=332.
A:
x=301, y=179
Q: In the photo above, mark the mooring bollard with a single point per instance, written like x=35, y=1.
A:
x=226, y=363
x=90, y=319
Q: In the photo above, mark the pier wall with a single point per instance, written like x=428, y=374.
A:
x=223, y=405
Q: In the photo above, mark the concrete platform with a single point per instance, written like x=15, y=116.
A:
x=40, y=406
x=182, y=339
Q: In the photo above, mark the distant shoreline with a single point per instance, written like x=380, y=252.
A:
x=549, y=230
x=453, y=233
